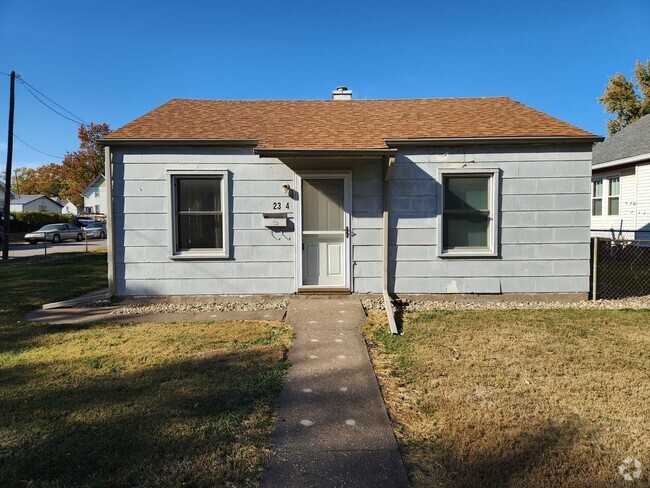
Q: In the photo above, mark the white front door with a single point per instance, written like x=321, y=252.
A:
x=324, y=231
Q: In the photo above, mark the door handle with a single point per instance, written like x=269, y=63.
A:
x=347, y=232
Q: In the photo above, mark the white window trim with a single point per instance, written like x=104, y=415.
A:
x=171, y=211
x=610, y=196
x=605, y=178
x=601, y=197
x=493, y=198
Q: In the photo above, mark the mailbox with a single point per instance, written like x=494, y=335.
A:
x=275, y=219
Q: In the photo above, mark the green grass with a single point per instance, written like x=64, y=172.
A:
x=28, y=283
x=517, y=398
x=113, y=405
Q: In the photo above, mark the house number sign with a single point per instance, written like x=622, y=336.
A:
x=280, y=206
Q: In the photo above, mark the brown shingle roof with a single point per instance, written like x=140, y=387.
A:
x=343, y=124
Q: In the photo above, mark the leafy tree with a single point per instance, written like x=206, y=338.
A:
x=45, y=179
x=82, y=166
x=627, y=101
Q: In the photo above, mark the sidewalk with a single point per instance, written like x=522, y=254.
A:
x=333, y=429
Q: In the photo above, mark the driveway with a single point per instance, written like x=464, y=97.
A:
x=22, y=251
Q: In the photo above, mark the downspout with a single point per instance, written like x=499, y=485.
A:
x=110, y=226
x=388, y=168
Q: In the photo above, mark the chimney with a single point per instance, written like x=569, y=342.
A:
x=342, y=93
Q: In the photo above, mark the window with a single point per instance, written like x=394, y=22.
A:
x=613, y=193
x=597, y=197
x=468, y=217
x=42, y=208
x=97, y=209
x=97, y=191
x=199, y=215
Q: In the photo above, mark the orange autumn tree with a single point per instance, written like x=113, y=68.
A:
x=80, y=167
x=44, y=180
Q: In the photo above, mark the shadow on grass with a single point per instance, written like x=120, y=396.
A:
x=524, y=459
x=202, y=421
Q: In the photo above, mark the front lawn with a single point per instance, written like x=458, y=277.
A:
x=112, y=405
x=518, y=398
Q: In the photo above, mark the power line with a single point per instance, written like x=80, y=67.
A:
x=29, y=88
x=37, y=150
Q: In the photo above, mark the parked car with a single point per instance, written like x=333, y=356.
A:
x=83, y=222
x=55, y=233
x=96, y=230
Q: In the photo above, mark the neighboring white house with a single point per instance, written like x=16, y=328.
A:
x=95, y=196
x=36, y=203
x=2, y=195
x=620, y=193
x=69, y=207
x=410, y=196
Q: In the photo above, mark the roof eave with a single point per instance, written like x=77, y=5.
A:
x=621, y=162
x=509, y=140
x=324, y=153
x=176, y=142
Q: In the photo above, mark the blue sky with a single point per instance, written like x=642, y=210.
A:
x=113, y=61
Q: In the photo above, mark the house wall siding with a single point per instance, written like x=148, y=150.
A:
x=545, y=217
x=544, y=221
x=643, y=199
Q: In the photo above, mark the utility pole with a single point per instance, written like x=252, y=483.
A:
x=10, y=151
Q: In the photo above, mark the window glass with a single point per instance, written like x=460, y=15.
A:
x=612, y=206
x=466, y=213
x=322, y=204
x=614, y=187
x=597, y=207
x=466, y=193
x=199, y=220
x=597, y=188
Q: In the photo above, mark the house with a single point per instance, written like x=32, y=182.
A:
x=620, y=183
x=35, y=203
x=69, y=208
x=95, y=196
x=413, y=196
x=12, y=195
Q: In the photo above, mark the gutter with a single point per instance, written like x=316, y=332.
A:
x=177, y=142
x=110, y=227
x=464, y=141
x=384, y=277
x=620, y=162
x=323, y=153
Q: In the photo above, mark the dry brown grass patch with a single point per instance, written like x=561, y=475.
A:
x=517, y=398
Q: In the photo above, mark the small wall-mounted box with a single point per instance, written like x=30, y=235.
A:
x=275, y=219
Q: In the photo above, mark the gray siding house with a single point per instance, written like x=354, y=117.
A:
x=414, y=196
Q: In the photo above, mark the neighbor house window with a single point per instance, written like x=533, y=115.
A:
x=468, y=213
x=42, y=208
x=612, y=195
x=597, y=197
x=199, y=215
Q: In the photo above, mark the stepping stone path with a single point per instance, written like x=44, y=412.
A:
x=333, y=429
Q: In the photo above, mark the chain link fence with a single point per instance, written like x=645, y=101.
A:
x=620, y=263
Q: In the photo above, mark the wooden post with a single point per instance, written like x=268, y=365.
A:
x=10, y=152
x=594, y=274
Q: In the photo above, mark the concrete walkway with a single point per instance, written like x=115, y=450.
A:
x=333, y=429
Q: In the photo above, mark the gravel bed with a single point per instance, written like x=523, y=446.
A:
x=424, y=305
x=226, y=306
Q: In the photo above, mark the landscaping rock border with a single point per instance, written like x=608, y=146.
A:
x=415, y=305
